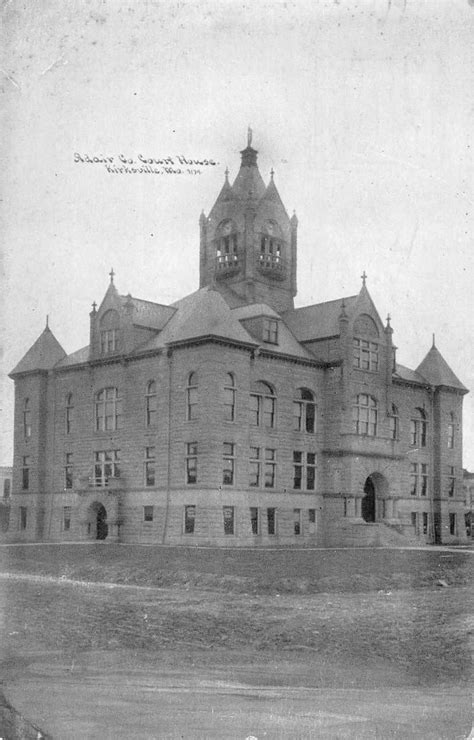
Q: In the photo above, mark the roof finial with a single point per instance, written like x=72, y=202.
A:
x=226, y=174
x=364, y=278
x=249, y=136
x=94, y=307
x=47, y=320
x=343, y=313
x=434, y=344
x=112, y=273
x=388, y=320
x=272, y=172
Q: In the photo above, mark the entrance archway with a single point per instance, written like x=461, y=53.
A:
x=97, y=528
x=368, y=502
x=374, y=499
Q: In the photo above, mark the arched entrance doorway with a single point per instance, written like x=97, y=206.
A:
x=374, y=499
x=97, y=527
x=368, y=501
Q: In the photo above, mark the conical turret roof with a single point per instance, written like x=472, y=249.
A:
x=43, y=355
x=436, y=371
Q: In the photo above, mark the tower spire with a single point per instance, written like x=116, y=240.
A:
x=249, y=137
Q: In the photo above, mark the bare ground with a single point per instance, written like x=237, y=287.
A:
x=214, y=655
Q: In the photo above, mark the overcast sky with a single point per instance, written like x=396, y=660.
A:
x=364, y=109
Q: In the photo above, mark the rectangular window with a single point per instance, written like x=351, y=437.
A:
x=25, y=473
x=450, y=436
x=254, y=520
x=106, y=467
x=425, y=522
x=268, y=411
x=68, y=482
x=189, y=519
x=365, y=355
x=191, y=462
x=191, y=403
x=270, y=466
x=228, y=512
x=452, y=524
x=254, y=409
x=414, y=521
x=69, y=418
x=297, y=470
x=108, y=341
x=424, y=480
x=312, y=516
x=297, y=521
x=254, y=467
x=67, y=518
x=148, y=513
x=413, y=479
x=271, y=521
x=150, y=462
x=270, y=331
x=298, y=407
x=23, y=516
x=229, y=404
x=393, y=422
x=310, y=471
x=228, y=464
x=451, y=481
x=304, y=470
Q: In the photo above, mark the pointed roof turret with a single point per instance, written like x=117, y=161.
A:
x=42, y=355
x=272, y=194
x=248, y=183
x=437, y=372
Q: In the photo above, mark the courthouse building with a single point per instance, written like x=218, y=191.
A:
x=233, y=418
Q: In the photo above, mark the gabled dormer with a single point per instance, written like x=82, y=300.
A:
x=248, y=242
x=106, y=325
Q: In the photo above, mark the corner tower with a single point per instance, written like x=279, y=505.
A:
x=248, y=242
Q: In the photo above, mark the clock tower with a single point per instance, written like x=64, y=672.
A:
x=248, y=242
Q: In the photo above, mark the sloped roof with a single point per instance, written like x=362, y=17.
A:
x=75, y=358
x=42, y=355
x=437, y=371
x=251, y=310
x=203, y=313
x=404, y=373
x=287, y=343
x=249, y=181
x=319, y=320
x=149, y=314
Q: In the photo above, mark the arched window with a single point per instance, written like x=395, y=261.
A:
x=262, y=405
x=365, y=345
x=418, y=429
x=150, y=404
x=229, y=398
x=227, y=245
x=69, y=412
x=451, y=431
x=108, y=410
x=270, y=257
x=27, y=418
x=109, y=333
x=394, y=421
x=304, y=411
x=191, y=397
x=364, y=415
